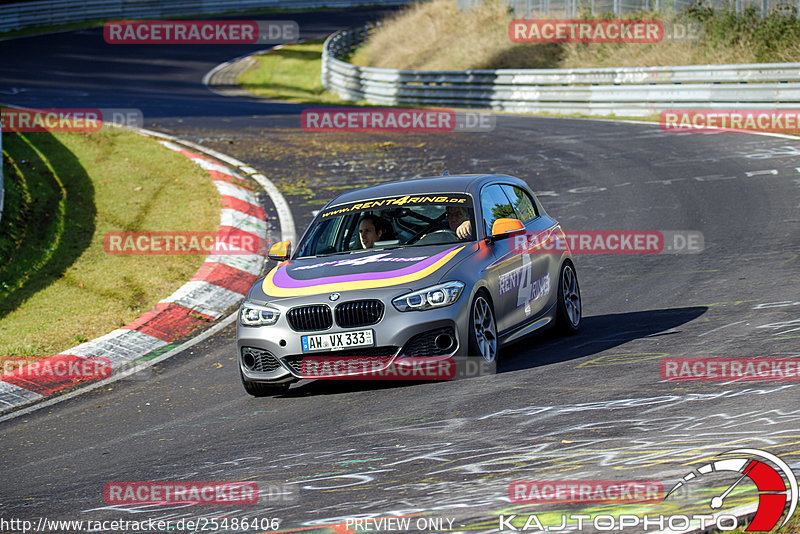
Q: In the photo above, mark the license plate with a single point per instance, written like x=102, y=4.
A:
x=339, y=341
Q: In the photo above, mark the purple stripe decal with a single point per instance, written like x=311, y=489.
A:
x=283, y=280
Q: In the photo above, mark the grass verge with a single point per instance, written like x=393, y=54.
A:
x=290, y=73
x=64, y=192
x=437, y=35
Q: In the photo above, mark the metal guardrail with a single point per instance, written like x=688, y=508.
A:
x=57, y=12
x=631, y=92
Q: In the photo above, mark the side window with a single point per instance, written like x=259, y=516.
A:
x=523, y=203
x=495, y=205
x=324, y=241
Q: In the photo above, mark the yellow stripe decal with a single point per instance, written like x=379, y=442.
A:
x=276, y=291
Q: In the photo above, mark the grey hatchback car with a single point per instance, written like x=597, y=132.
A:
x=447, y=266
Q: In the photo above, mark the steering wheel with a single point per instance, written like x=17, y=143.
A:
x=427, y=237
x=434, y=223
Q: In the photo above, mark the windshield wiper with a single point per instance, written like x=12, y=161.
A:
x=325, y=255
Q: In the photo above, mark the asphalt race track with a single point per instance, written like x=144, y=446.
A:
x=588, y=407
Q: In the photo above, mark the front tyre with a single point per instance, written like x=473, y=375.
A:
x=482, y=329
x=259, y=389
x=569, y=312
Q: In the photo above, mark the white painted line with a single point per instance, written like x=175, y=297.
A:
x=249, y=263
x=133, y=370
x=750, y=174
x=211, y=166
x=235, y=191
x=720, y=328
x=655, y=123
x=11, y=395
x=119, y=346
x=281, y=206
x=243, y=221
x=172, y=146
x=204, y=297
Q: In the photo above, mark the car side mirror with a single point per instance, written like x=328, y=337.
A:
x=504, y=228
x=280, y=251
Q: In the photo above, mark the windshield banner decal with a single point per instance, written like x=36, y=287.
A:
x=422, y=200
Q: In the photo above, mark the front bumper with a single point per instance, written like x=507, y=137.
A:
x=273, y=354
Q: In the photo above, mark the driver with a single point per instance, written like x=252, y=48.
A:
x=369, y=230
x=458, y=220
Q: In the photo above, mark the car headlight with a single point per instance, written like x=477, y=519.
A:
x=437, y=296
x=255, y=315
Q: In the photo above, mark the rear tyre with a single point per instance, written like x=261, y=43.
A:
x=569, y=312
x=258, y=389
x=482, y=329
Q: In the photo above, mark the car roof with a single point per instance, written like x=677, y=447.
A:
x=461, y=183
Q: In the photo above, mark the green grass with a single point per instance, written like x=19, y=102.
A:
x=34, y=215
x=290, y=73
x=437, y=35
x=64, y=192
x=772, y=39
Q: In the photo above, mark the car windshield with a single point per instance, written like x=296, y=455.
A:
x=382, y=223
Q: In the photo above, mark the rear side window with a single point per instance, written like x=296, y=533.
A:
x=523, y=203
x=495, y=205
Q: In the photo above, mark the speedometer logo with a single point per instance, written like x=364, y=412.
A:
x=771, y=483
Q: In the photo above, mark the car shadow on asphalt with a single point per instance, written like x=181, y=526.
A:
x=597, y=334
x=307, y=388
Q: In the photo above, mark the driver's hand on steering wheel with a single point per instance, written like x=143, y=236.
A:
x=464, y=230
